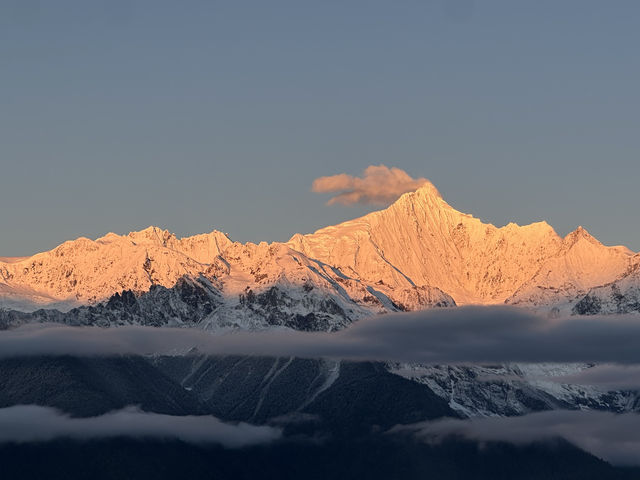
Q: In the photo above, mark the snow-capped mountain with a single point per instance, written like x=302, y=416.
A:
x=84, y=271
x=580, y=264
x=422, y=240
x=417, y=253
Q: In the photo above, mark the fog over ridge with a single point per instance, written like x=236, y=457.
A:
x=33, y=423
x=470, y=334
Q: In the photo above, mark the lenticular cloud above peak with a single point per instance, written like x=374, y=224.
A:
x=379, y=185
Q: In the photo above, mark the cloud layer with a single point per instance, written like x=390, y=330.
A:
x=379, y=185
x=459, y=335
x=612, y=437
x=31, y=423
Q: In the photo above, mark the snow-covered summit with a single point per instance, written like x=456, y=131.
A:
x=422, y=240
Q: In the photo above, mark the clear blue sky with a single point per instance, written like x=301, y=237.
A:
x=195, y=115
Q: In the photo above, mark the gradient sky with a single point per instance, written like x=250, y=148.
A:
x=115, y=115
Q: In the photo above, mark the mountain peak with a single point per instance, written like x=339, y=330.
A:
x=430, y=189
x=578, y=234
x=151, y=234
x=427, y=193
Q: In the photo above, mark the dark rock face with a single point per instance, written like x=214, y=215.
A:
x=310, y=322
x=187, y=303
x=277, y=308
x=589, y=305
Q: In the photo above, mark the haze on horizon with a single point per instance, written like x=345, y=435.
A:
x=126, y=114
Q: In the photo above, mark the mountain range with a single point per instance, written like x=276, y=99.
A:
x=418, y=253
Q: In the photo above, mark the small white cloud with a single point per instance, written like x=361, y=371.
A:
x=379, y=185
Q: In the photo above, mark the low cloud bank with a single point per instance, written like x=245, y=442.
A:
x=31, y=423
x=437, y=336
x=612, y=437
x=379, y=185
